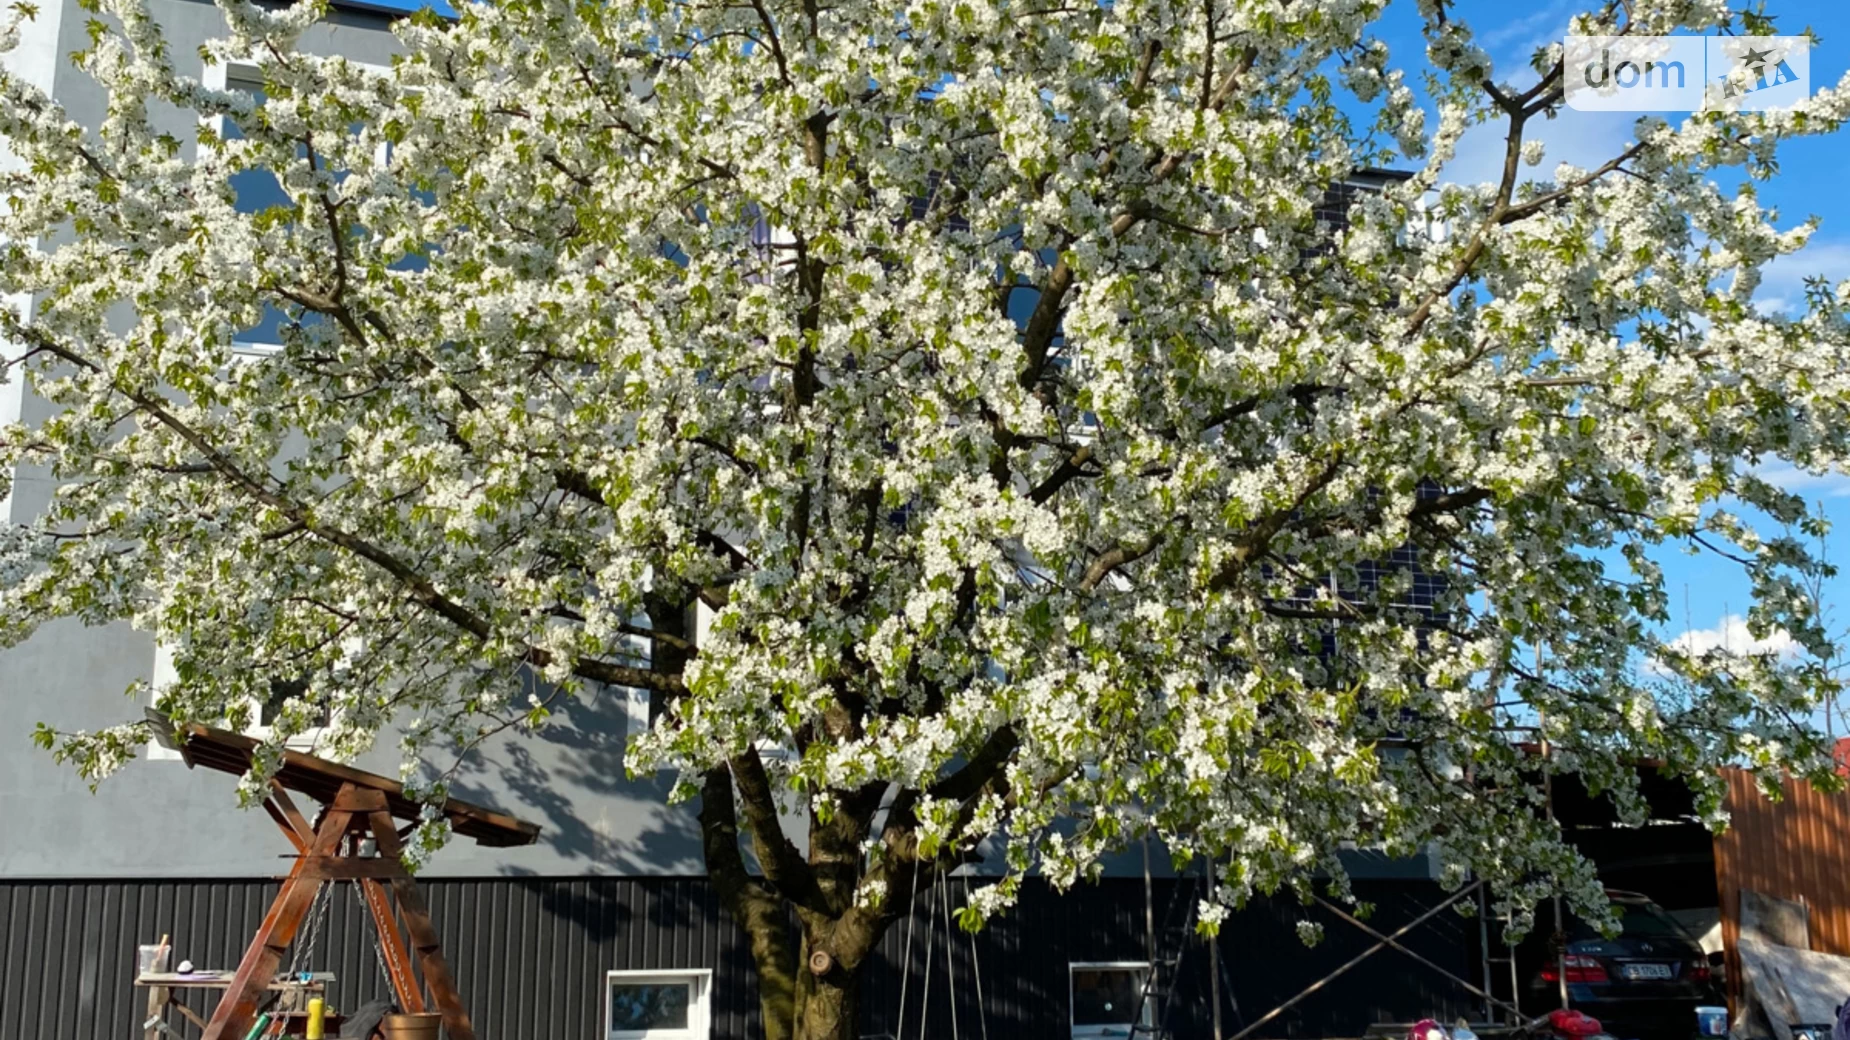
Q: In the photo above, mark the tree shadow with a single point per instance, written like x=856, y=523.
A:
x=570, y=777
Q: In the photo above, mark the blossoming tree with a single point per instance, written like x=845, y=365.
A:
x=1050, y=473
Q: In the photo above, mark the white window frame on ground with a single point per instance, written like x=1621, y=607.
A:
x=165, y=676
x=1146, y=1024
x=699, y=1005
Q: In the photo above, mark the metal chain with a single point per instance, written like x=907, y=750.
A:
x=905, y=976
x=950, y=948
x=372, y=929
x=318, y=911
x=931, y=935
x=976, y=969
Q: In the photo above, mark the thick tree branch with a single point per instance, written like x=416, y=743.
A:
x=1037, y=338
x=1449, y=502
x=1115, y=557
x=982, y=769
x=1071, y=467
x=1258, y=537
x=783, y=865
x=1536, y=205
x=776, y=45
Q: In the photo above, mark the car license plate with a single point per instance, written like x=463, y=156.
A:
x=1648, y=971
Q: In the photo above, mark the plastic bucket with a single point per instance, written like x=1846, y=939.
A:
x=152, y=960
x=1712, y=1021
x=411, y=1027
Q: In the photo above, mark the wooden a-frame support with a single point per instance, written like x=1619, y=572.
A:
x=330, y=851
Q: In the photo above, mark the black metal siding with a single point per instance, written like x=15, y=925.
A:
x=1021, y=962
x=530, y=955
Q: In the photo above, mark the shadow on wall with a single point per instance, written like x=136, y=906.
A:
x=568, y=776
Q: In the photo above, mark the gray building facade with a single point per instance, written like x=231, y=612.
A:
x=569, y=778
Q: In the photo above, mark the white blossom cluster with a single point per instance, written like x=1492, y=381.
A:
x=985, y=368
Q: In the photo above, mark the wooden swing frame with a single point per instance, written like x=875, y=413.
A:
x=355, y=838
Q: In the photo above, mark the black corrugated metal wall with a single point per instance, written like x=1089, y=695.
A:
x=530, y=955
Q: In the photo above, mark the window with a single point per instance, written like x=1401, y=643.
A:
x=257, y=190
x=1636, y=920
x=641, y=706
x=263, y=712
x=281, y=693
x=658, y=1005
x=644, y=707
x=1110, y=1000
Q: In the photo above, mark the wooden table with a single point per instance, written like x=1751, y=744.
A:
x=161, y=987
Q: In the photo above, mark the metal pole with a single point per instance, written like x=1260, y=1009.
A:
x=950, y=951
x=1214, y=980
x=1515, y=979
x=1357, y=959
x=1483, y=945
x=1339, y=912
x=1207, y=868
x=1149, y=936
x=931, y=937
x=1559, y=939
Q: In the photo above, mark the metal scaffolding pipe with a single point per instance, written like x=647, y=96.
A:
x=1357, y=959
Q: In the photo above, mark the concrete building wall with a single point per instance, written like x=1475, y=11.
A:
x=35, y=61
x=158, y=818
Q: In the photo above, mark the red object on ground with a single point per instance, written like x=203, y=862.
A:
x=1426, y=1029
x=1573, y=1023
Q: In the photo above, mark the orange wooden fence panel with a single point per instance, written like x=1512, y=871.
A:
x=1797, y=848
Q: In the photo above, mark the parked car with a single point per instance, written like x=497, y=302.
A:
x=1644, y=983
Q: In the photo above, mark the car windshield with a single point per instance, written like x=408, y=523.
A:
x=1639, y=920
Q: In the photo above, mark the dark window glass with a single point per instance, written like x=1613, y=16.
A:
x=256, y=190
x=1636, y=920
x=281, y=692
x=1108, y=997
x=1646, y=921
x=637, y=1006
x=418, y=260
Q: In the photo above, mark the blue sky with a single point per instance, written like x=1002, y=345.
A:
x=1812, y=182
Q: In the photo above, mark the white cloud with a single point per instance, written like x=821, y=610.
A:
x=1511, y=43
x=1811, y=485
x=1585, y=139
x=1782, y=282
x=1731, y=634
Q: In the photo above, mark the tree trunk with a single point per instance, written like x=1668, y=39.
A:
x=754, y=906
x=827, y=1005
x=778, y=976
x=810, y=940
